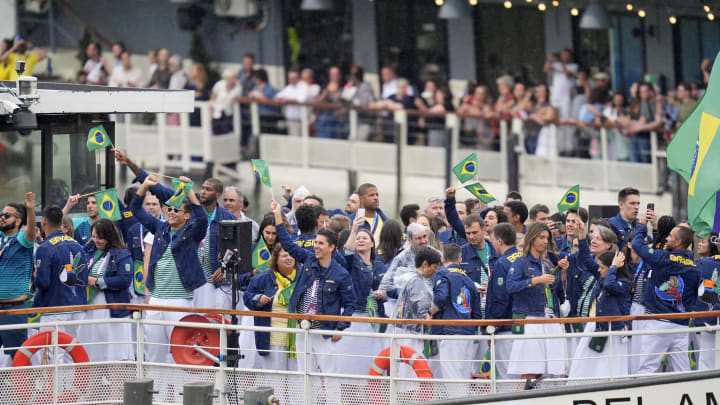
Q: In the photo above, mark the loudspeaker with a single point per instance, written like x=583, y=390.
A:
x=189, y=18
x=236, y=236
x=603, y=211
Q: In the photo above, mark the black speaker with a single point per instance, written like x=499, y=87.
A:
x=189, y=18
x=236, y=237
x=603, y=211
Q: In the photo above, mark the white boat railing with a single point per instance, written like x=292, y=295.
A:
x=100, y=381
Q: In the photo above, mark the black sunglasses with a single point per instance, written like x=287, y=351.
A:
x=173, y=209
x=7, y=215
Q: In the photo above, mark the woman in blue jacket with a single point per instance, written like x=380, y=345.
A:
x=111, y=272
x=593, y=355
x=270, y=291
x=366, y=272
x=530, y=283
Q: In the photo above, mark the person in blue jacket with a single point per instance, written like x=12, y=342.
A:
x=366, y=271
x=269, y=291
x=324, y=287
x=594, y=357
x=454, y=297
x=174, y=271
x=111, y=272
x=209, y=295
x=530, y=282
x=61, y=272
x=499, y=303
x=375, y=218
x=672, y=287
x=709, y=270
x=135, y=241
x=624, y=222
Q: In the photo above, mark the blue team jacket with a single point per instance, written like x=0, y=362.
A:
x=264, y=283
x=335, y=288
x=454, y=220
x=456, y=297
x=134, y=241
x=471, y=262
x=498, y=303
x=673, y=280
x=115, y=283
x=366, y=225
x=526, y=298
x=213, y=229
x=184, y=244
x=621, y=228
x=611, y=293
x=364, y=281
x=55, y=286
x=707, y=265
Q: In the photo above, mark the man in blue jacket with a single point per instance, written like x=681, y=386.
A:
x=61, y=272
x=623, y=224
x=210, y=295
x=323, y=287
x=454, y=297
x=499, y=302
x=370, y=202
x=672, y=287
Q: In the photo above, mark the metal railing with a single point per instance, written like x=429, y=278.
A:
x=91, y=382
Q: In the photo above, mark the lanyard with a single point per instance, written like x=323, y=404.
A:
x=142, y=240
x=637, y=270
x=207, y=232
x=374, y=224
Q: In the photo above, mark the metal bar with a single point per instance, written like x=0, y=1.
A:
x=140, y=344
x=353, y=121
x=51, y=23
x=221, y=379
x=394, y=356
x=56, y=361
x=307, y=365
x=185, y=143
x=503, y=151
x=304, y=138
x=654, y=159
x=604, y=151
x=554, y=155
x=401, y=121
x=493, y=365
x=162, y=141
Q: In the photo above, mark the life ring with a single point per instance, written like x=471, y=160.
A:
x=376, y=388
x=25, y=388
x=183, y=338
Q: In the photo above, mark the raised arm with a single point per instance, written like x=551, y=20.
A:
x=147, y=220
x=451, y=212
x=300, y=254
x=649, y=255
x=30, y=217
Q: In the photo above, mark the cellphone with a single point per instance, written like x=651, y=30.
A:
x=360, y=213
x=651, y=206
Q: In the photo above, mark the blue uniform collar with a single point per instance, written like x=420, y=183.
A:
x=623, y=221
x=684, y=253
x=510, y=251
x=59, y=232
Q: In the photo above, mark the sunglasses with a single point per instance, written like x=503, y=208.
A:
x=7, y=215
x=173, y=209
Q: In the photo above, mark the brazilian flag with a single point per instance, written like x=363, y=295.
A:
x=138, y=281
x=107, y=203
x=480, y=192
x=98, y=138
x=180, y=192
x=467, y=169
x=261, y=256
x=486, y=365
x=571, y=199
x=262, y=171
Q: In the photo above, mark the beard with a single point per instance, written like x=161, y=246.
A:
x=8, y=227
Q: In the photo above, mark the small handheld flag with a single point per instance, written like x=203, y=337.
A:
x=571, y=199
x=467, y=169
x=262, y=172
x=480, y=192
x=138, y=280
x=180, y=192
x=107, y=204
x=98, y=138
x=261, y=256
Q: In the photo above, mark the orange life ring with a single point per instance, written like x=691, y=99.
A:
x=376, y=388
x=25, y=389
x=183, y=338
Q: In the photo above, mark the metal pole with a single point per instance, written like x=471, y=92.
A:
x=493, y=365
x=610, y=355
x=604, y=151
x=394, y=356
x=138, y=392
x=221, y=379
x=307, y=361
x=56, y=360
x=401, y=133
x=140, y=345
x=654, y=159
x=503, y=151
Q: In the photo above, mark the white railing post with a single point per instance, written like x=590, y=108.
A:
x=206, y=131
x=610, y=356
x=307, y=364
x=554, y=155
x=493, y=365
x=654, y=159
x=56, y=361
x=161, y=118
x=452, y=122
x=255, y=118
x=185, y=141
x=221, y=378
x=305, y=136
x=394, y=356
x=237, y=120
x=503, y=150
x=400, y=119
x=604, y=151
x=140, y=344
x=353, y=122
x=716, y=347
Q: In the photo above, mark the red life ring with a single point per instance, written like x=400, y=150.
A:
x=183, y=338
x=25, y=388
x=376, y=388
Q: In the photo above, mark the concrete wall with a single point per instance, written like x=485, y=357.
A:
x=8, y=28
x=659, y=50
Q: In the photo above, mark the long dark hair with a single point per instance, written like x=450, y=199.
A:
x=391, y=238
x=666, y=224
x=106, y=230
x=607, y=257
x=372, y=239
x=269, y=219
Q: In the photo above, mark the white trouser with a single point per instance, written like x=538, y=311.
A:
x=97, y=336
x=205, y=296
x=155, y=334
x=539, y=356
x=503, y=351
x=321, y=360
x=71, y=330
x=652, y=347
x=451, y=355
x=406, y=371
x=706, y=347
x=366, y=347
x=584, y=366
x=636, y=309
x=276, y=359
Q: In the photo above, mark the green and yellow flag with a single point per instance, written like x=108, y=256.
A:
x=107, y=204
x=693, y=153
x=261, y=256
x=98, y=138
x=480, y=192
x=262, y=172
x=180, y=192
x=571, y=199
x=138, y=278
x=467, y=169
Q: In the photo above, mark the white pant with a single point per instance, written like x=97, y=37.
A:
x=205, y=296
x=71, y=330
x=653, y=346
x=98, y=335
x=584, y=366
x=359, y=346
x=276, y=359
x=159, y=333
x=321, y=361
x=503, y=351
x=450, y=354
x=706, y=346
x=636, y=309
x=538, y=356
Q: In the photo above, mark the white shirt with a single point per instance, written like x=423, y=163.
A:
x=178, y=80
x=224, y=98
x=291, y=92
x=123, y=78
x=561, y=84
x=93, y=70
x=390, y=88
